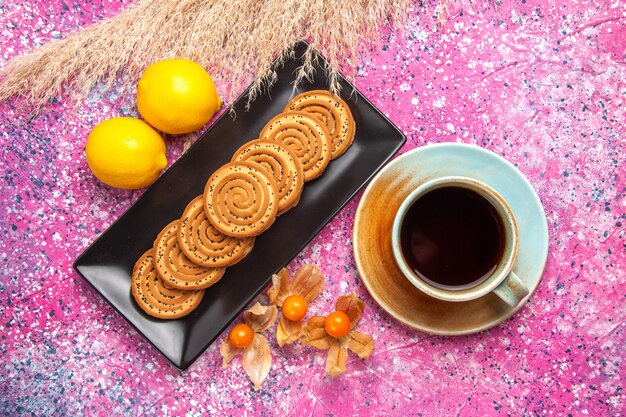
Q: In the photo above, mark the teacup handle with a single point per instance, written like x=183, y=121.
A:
x=512, y=290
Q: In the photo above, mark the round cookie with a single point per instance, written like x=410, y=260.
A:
x=155, y=298
x=306, y=136
x=281, y=163
x=204, y=244
x=175, y=268
x=241, y=199
x=333, y=111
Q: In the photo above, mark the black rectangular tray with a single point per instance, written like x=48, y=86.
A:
x=107, y=264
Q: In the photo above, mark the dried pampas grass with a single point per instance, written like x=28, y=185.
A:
x=236, y=41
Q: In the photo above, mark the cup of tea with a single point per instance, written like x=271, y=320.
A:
x=456, y=239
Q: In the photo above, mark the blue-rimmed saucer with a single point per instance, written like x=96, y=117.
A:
x=372, y=236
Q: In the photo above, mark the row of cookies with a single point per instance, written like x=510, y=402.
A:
x=241, y=199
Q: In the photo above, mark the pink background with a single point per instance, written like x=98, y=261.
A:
x=540, y=83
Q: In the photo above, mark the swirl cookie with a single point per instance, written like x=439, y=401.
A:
x=155, y=298
x=177, y=270
x=241, y=199
x=281, y=163
x=333, y=111
x=306, y=136
x=204, y=244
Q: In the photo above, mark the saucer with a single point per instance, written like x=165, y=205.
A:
x=372, y=237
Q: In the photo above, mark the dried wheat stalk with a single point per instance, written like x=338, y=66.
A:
x=235, y=41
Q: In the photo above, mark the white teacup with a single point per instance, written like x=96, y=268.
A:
x=500, y=279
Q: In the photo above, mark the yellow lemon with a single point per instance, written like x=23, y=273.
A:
x=125, y=152
x=177, y=96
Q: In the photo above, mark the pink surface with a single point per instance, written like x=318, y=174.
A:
x=540, y=83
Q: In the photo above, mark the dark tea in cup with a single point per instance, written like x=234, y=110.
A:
x=452, y=237
x=456, y=239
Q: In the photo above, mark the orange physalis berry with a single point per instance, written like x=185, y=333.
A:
x=295, y=307
x=337, y=324
x=241, y=335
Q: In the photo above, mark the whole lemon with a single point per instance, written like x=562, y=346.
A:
x=177, y=96
x=125, y=152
